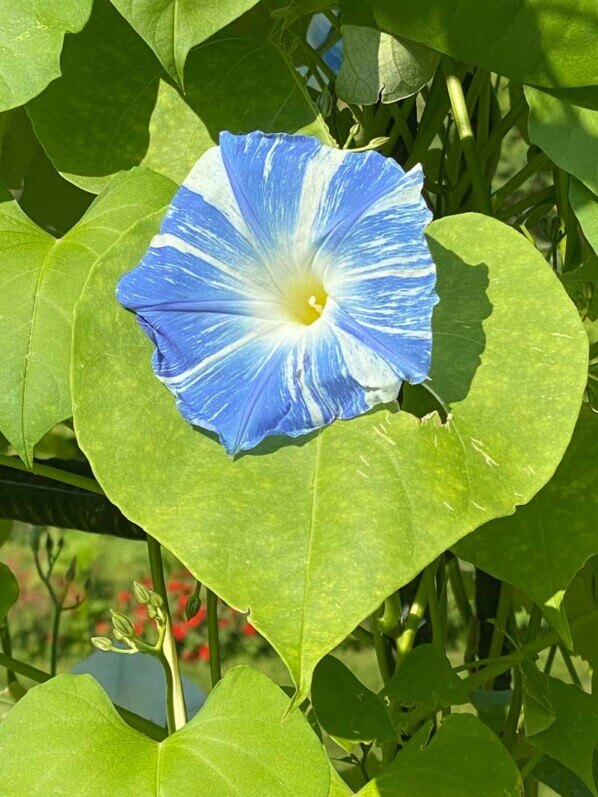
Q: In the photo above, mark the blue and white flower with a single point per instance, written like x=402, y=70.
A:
x=290, y=285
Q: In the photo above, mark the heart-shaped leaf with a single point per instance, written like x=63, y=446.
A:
x=533, y=41
x=173, y=27
x=541, y=547
x=31, y=39
x=313, y=534
x=40, y=280
x=238, y=744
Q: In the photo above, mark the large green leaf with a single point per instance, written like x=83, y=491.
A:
x=232, y=83
x=567, y=133
x=40, y=280
x=541, y=547
x=569, y=731
x=463, y=759
x=173, y=27
x=31, y=37
x=65, y=737
x=534, y=41
x=9, y=590
x=313, y=534
x=585, y=207
x=378, y=65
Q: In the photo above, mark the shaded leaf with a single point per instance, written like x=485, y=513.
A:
x=40, y=280
x=378, y=65
x=426, y=678
x=291, y=559
x=9, y=590
x=582, y=286
x=46, y=502
x=560, y=779
x=31, y=39
x=18, y=147
x=463, y=759
x=544, y=43
x=345, y=708
x=585, y=207
x=173, y=27
x=567, y=133
x=580, y=598
x=572, y=736
x=238, y=743
x=232, y=83
x=541, y=547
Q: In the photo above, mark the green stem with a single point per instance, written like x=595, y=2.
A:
x=55, y=634
x=504, y=192
x=6, y=642
x=530, y=201
x=463, y=124
x=39, y=676
x=363, y=636
x=391, y=617
x=569, y=665
x=382, y=652
x=57, y=474
x=550, y=659
x=213, y=642
x=531, y=764
x=434, y=609
x=437, y=105
x=416, y=612
x=458, y=587
x=509, y=736
x=505, y=601
x=175, y=700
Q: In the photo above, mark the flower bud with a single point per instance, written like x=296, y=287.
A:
x=141, y=592
x=101, y=643
x=192, y=606
x=154, y=599
x=122, y=625
x=71, y=571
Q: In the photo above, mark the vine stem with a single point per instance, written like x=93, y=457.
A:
x=213, y=642
x=463, y=124
x=416, y=612
x=175, y=701
x=57, y=474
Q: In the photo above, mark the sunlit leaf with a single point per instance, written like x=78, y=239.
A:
x=173, y=27
x=541, y=547
x=238, y=744
x=40, y=280
x=31, y=37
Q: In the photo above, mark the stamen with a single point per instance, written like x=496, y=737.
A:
x=313, y=302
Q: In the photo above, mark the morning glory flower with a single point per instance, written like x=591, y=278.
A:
x=290, y=285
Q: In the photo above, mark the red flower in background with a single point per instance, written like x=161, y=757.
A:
x=124, y=596
x=248, y=630
x=203, y=652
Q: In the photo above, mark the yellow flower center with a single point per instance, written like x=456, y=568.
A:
x=306, y=300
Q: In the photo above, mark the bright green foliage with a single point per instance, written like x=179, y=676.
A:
x=143, y=120
x=426, y=679
x=238, y=744
x=31, y=36
x=40, y=281
x=564, y=723
x=173, y=27
x=567, y=133
x=544, y=43
x=463, y=759
x=585, y=205
x=532, y=549
x=9, y=590
x=373, y=484
x=377, y=64
x=346, y=709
